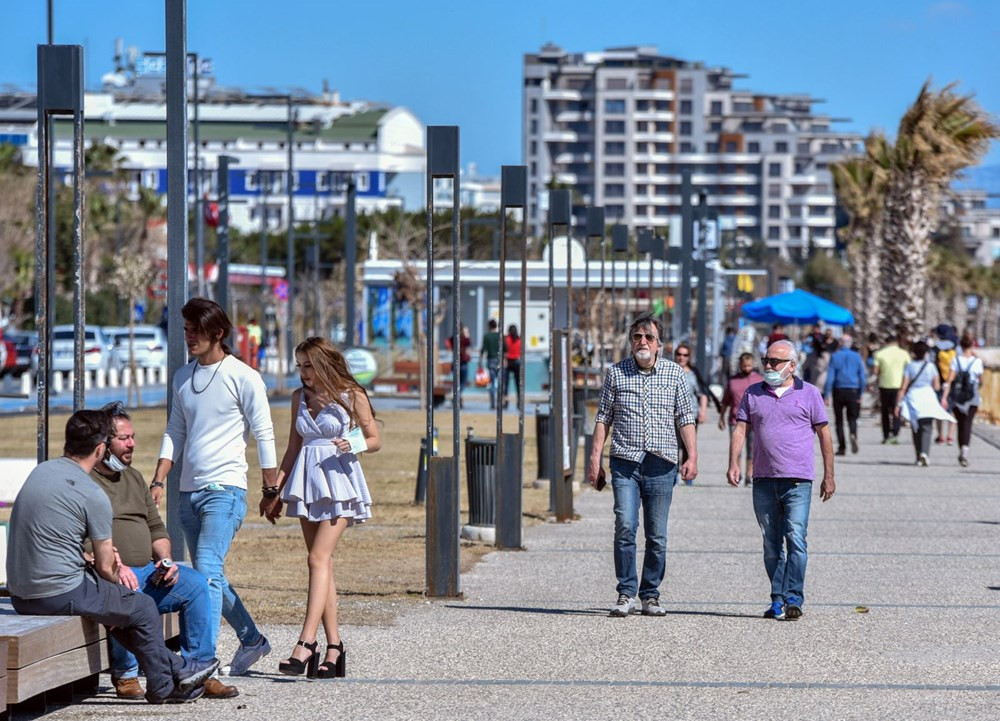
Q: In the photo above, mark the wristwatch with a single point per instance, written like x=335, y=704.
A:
x=269, y=491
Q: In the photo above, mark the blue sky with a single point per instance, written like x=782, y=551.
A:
x=460, y=62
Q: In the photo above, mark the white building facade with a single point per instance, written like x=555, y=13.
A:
x=619, y=126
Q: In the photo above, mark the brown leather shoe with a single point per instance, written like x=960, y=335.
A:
x=214, y=688
x=129, y=688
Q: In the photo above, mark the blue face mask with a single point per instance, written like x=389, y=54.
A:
x=774, y=378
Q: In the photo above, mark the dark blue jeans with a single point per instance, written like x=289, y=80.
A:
x=651, y=484
x=190, y=596
x=782, y=509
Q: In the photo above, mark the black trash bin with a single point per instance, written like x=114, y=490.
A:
x=543, y=425
x=480, y=468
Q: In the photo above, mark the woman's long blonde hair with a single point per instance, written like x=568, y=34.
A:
x=332, y=376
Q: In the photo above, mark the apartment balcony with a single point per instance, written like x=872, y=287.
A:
x=725, y=179
x=562, y=94
x=653, y=94
x=820, y=221
x=567, y=158
x=743, y=221
x=566, y=178
x=654, y=137
x=661, y=115
x=574, y=116
x=821, y=199
x=561, y=136
x=802, y=179
x=741, y=201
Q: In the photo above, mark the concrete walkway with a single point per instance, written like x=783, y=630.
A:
x=915, y=547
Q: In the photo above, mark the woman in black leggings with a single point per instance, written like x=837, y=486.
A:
x=966, y=370
x=512, y=364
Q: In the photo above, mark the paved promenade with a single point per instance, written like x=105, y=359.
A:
x=918, y=548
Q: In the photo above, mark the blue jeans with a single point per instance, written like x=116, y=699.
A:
x=782, y=509
x=189, y=595
x=652, y=484
x=210, y=519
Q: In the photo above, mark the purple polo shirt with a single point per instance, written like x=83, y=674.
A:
x=783, y=428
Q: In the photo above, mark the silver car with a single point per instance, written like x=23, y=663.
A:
x=150, y=346
x=96, y=349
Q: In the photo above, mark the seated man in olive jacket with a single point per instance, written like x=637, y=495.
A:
x=140, y=539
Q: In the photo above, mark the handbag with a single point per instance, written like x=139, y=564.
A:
x=482, y=377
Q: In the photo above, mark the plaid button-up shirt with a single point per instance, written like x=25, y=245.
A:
x=644, y=410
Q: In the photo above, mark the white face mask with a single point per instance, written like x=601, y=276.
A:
x=114, y=462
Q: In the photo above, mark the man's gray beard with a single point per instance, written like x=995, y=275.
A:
x=643, y=355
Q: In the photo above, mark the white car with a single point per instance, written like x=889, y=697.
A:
x=96, y=349
x=150, y=346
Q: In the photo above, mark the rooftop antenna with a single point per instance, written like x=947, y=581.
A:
x=119, y=51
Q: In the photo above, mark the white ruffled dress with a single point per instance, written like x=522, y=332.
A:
x=324, y=482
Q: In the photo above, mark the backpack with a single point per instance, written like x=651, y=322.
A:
x=962, y=388
x=944, y=359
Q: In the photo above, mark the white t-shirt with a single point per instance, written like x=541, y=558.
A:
x=974, y=367
x=214, y=409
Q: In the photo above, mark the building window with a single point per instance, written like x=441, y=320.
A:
x=614, y=211
x=662, y=168
x=774, y=233
x=662, y=190
x=715, y=126
x=614, y=148
x=534, y=105
x=687, y=85
x=641, y=106
x=614, y=170
x=685, y=127
x=662, y=211
x=781, y=147
x=802, y=148
x=642, y=189
x=614, y=127
x=662, y=106
x=533, y=148
x=996, y=232
x=534, y=126
x=794, y=211
x=687, y=147
x=614, y=106
x=774, y=191
x=661, y=147
x=774, y=211
x=616, y=84
x=753, y=147
x=686, y=107
x=819, y=211
x=774, y=170
x=662, y=127
x=716, y=107
x=641, y=210
x=711, y=147
x=731, y=146
x=614, y=190
x=640, y=168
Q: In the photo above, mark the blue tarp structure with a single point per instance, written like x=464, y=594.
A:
x=797, y=307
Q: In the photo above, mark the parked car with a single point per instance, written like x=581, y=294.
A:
x=150, y=346
x=26, y=345
x=96, y=349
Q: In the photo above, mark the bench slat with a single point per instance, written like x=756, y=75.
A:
x=66, y=667
x=33, y=638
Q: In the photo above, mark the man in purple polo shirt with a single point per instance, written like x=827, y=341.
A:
x=783, y=413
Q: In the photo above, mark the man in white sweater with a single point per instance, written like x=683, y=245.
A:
x=217, y=400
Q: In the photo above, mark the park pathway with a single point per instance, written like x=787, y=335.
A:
x=902, y=616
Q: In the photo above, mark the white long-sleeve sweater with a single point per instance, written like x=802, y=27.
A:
x=211, y=426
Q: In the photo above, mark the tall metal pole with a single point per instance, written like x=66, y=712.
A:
x=687, y=248
x=79, y=279
x=701, y=267
x=177, y=230
x=222, y=252
x=604, y=261
x=350, y=262
x=315, y=277
x=263, y=178
x=199, y=221
x=289, y=330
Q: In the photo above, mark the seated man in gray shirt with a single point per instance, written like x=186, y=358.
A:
x=59, y=507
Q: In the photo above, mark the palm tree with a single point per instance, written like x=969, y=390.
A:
x=860, y=184
x=940, y=134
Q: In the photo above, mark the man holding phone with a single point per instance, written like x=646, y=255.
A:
x=646, y=405
x=140, y=539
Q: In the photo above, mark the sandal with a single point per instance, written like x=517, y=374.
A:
x=334, y=669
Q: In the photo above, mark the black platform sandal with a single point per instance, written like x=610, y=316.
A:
x=295, y=667
x=334, y=669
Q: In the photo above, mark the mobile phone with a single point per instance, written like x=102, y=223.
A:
x=602, y=480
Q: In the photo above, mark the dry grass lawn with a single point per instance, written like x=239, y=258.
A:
x=379, y=565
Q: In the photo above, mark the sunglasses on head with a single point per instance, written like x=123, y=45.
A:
x=636, y=337
x=773, y=361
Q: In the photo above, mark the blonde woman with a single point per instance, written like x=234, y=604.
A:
x=321, y=482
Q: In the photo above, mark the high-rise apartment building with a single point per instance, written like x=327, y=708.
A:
x=619, y=126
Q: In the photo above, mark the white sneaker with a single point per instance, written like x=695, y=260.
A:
x=623, y=606
x=652, y=607
x=923, y=460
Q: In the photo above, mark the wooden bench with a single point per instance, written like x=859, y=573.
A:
x=405, y=378
x=50, y=658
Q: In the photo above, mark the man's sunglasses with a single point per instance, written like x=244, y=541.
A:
x=775, y=362
x=681, y=355
x=650, y=338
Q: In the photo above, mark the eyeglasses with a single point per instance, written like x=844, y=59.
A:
x=681, y=355
x=775, y=362
x=650, y=338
